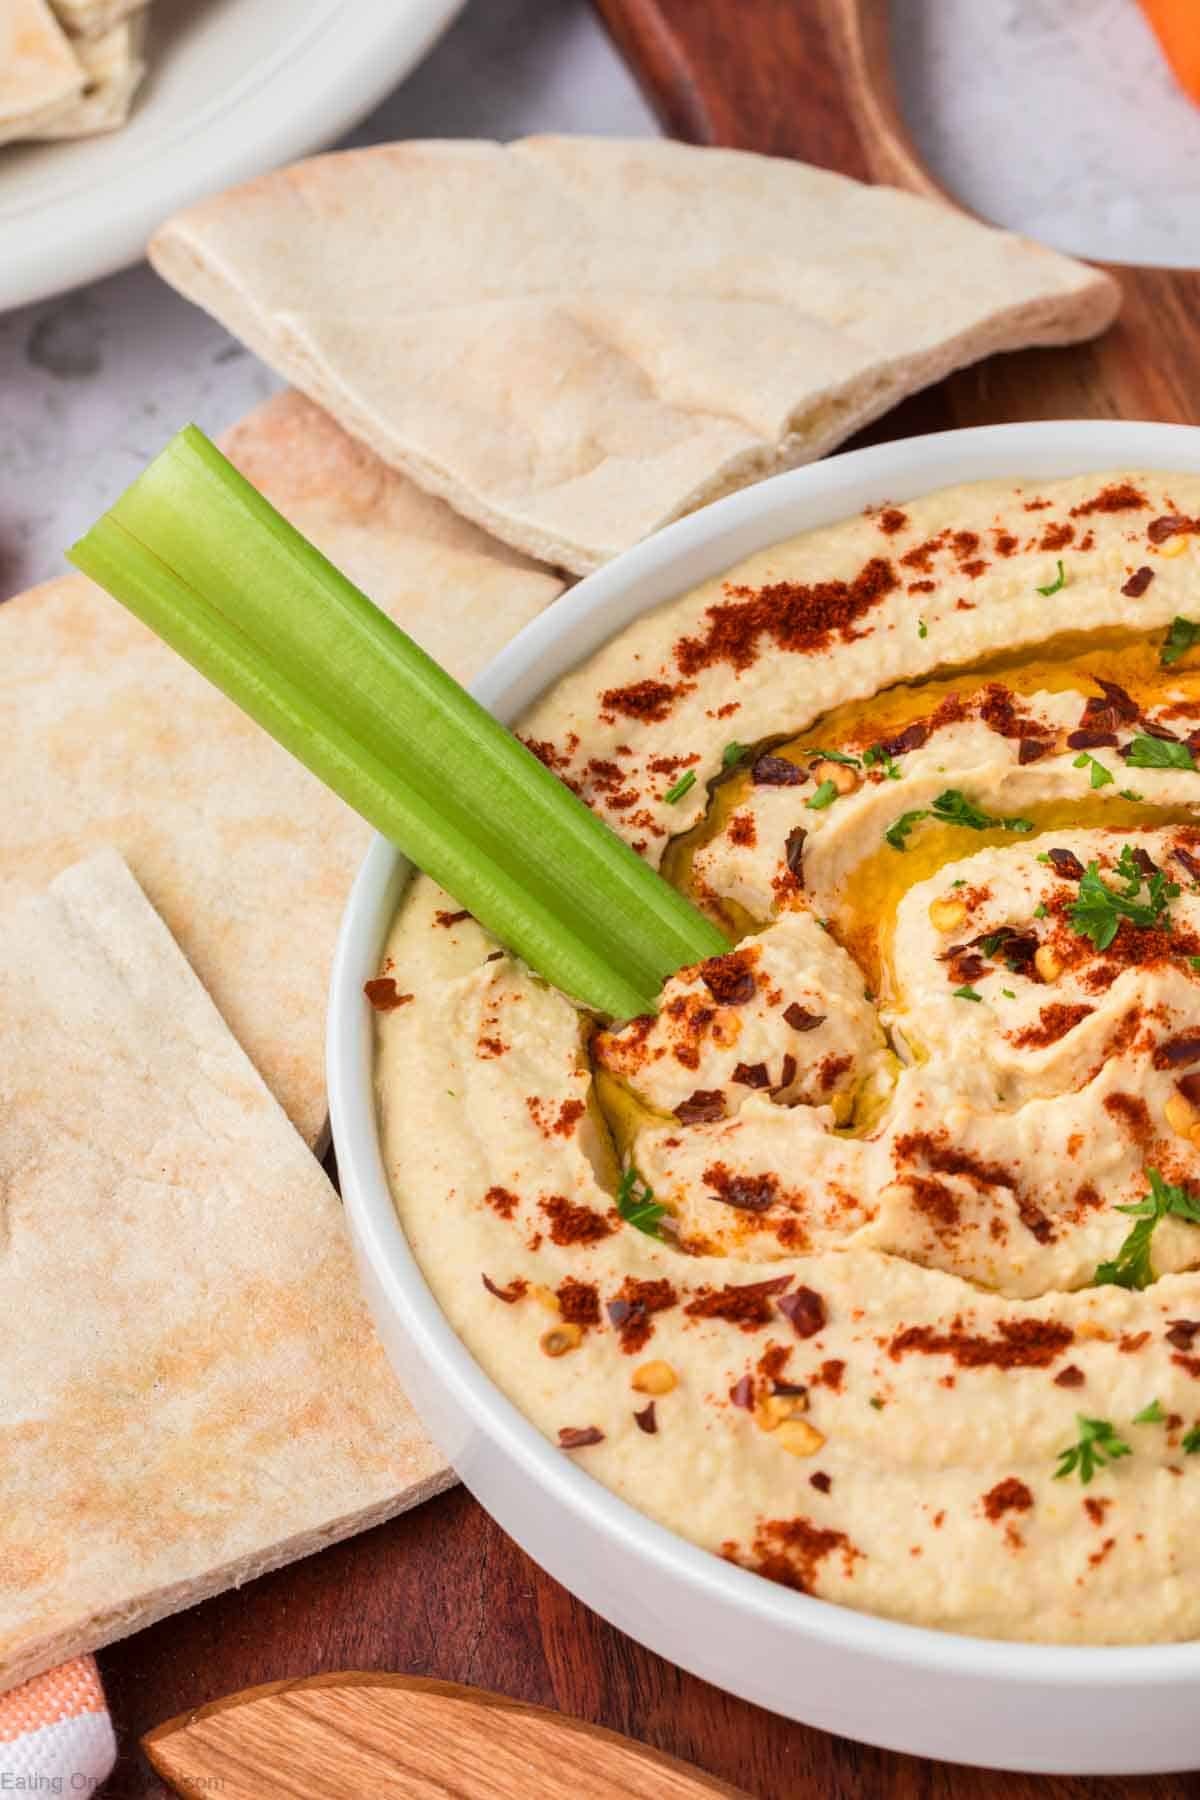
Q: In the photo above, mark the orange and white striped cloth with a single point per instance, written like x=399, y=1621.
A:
x=55, y=1733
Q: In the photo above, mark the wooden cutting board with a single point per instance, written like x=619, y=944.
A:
x=812, y=79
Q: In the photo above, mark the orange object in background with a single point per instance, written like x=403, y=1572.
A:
x=1177, y=26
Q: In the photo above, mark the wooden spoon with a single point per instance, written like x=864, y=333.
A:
x=812, y=79
x=396, y=1737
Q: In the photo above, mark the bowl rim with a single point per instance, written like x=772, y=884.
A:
x=712, y=540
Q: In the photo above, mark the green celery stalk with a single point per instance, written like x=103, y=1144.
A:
x=203, y=559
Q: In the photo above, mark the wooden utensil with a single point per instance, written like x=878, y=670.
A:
x=812, y=79
x=345, y=1736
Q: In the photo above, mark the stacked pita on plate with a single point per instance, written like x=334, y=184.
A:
x=70, y=68
x=112, y=739
x=574, y=340
x=191, y=1390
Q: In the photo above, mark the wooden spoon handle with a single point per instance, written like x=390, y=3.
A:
x=397, y=1737
x=811, y=80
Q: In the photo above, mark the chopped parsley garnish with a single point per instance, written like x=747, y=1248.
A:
x=1150, y=1415
x=966, y=993
x=1098, y=1444
x=825, y=795
x=877, y=755
x=1040, y=910
x=1178, y=641
x=1159, y=753
x=1100, y=775
x=637, y=1205
x=683, y=786
x=733, y=752
x=1128, y=794
x=952, y=808
x=1060, y=582
x=1132, y=1267
x=1191, y=1441
x=1194, y=962
x=1098, y=911
x=922, y=629
x=837, y=756
x=961, y=882
x=876, y=1402
x=1008, y=993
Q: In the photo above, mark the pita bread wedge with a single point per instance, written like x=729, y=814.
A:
x=111, y=739
x=94, y=18
x=40, y=76
x=574, y=340
x=113, y=68
x=192, y=1392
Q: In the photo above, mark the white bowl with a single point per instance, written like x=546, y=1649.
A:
x=232, y=87
x=971, y=1700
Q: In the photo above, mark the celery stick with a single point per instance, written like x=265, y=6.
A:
x=206, y=562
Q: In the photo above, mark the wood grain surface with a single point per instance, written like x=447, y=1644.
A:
x=441, y=1592
x=406, y=1737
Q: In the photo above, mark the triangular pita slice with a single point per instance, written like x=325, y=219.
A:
x=113, y=67
x=574, y=340
x=192, y=1392
x=110, y=738
x=94, y=18
x=40, y=75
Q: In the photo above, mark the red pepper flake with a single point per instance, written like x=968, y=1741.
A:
x=704, y=1107
x=1021, y=1344
x=1091, y=740
x=383, y=994
x=1053, y=1024
x=751, y=1075
x=1056, y=537
x=650, y=701
x=1070, y=1377
x=891, y=520
x=1066, y=864
x=1132, y=1341
x=1009, y=1495
x=800, y=1019
x=921, y=587
x=446, y=919
x=1029, y=750
x=1182, y=1333
x=806, y=1311
x=647, y=1419
x=571, y=1224
x=1004, y=542
x=579, y=1302
x=502, y=1201
x=578, y=1437
x=1175, y=1052
x=509, y=1294
x=491, y=1047
x=830, y=1374
x=1138, y=582
x=730, y=978
x=1096, y=1509
x=742, y=1393
x=1036, y=505
x=748, y=1193
x=793, y=851
x=1000, y=711
x=911, y=738
x=776, y=771
x=550, y=1124
x=1189, y=1364
x=1119, y=496
x=821, y=1481
x=974, y=569
x=797, y=617
x=1169, y=526
x=633, y=1308
x=748, y=1306
x=743, y=831
x=787, y=1073
x=1190, y=863
x=790, y=1552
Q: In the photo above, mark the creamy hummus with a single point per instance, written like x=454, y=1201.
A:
x=826, y=1266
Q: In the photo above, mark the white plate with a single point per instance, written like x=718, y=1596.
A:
x=973, y=1700
x=233, y=87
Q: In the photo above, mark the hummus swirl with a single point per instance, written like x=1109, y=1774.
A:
x=832, y=1262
